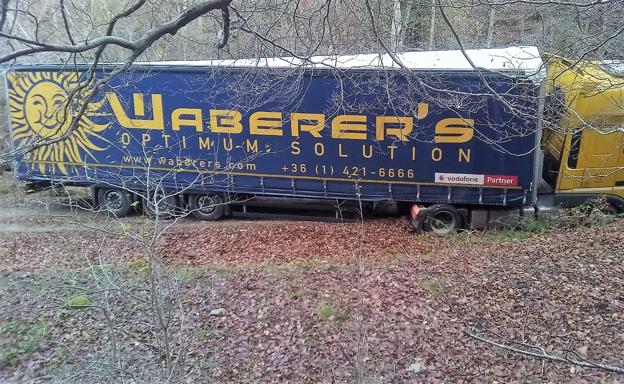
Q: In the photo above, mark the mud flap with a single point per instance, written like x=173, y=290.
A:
x=417, y=217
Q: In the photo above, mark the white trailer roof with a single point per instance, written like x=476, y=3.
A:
x=525, y=60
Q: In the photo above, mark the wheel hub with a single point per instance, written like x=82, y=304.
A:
x=206, y=204
x=114, y=200
x=441, y=222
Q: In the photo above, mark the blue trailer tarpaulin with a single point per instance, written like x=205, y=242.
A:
x=422, y=132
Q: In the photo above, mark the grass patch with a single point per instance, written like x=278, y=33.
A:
x=328, y=312
x=432, y=287
x=61, y=354
x=185, y=274
x=140, y=266
x=526, y=228
x=531, y=225
x=79, y=302
x=591, y=213
x=19, y=338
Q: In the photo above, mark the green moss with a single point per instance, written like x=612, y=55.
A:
x=79, y=302
x=432, y=287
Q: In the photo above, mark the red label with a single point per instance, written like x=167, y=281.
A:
x=501, y=181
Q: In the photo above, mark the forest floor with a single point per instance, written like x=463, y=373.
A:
x=301, y=302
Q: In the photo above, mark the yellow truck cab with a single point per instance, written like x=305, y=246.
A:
x=583, y=136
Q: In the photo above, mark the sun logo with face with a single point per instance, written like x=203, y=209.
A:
x=42, y=113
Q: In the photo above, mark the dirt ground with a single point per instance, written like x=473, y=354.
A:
x=301, y=302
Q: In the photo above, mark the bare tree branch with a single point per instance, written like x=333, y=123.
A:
x=138, y=46
x=225, y=13
x=569, y=357
x=66, y=22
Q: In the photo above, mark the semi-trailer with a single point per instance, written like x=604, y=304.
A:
x=457, y=142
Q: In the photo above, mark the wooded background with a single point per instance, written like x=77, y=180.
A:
x=266, y=28
x=71, y=32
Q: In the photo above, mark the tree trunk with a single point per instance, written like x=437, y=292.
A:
x=432, y=26
x=490, y=34
x=395, y=31
x=406, y=23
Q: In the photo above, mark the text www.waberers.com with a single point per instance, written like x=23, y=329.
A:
x=186, y=163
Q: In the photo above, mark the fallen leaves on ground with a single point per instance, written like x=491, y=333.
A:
x=253, y=242
x=327, y=302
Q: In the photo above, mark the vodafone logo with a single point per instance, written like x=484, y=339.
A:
x=475, y=179
x=459, y=178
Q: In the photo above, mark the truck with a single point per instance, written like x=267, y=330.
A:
x=454, y=138
x=583, y=145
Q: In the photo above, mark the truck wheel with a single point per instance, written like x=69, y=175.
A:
x=207, y=207
x=443, y=219
x=167, y=208
x=115, y=201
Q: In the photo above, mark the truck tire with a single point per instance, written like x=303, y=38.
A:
x=115, y=201
x=168, y=206
x=443, y=219
x=208, y=207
